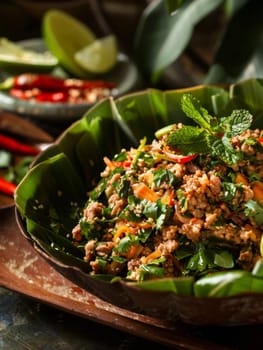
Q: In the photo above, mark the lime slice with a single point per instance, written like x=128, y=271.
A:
x=64, y=35
x=14, y=58
x=98, y=57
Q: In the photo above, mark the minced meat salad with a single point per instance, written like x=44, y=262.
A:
x=189, y=202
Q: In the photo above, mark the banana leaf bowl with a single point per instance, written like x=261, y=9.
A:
x=53, y=192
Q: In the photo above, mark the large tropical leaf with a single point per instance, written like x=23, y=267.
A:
x=161, y=38
x=241, y=47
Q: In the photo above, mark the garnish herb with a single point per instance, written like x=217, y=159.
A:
x=213, y=134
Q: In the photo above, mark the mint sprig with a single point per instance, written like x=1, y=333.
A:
x=213, y=135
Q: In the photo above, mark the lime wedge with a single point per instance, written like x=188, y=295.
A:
x=14, y=58
x=64, y=35
x=98, y=57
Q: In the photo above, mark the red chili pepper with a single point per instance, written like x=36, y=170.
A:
x=260, y=140
x=47, y=82
x=61, y=96
x=179, y=158
x=7, y=187
x=15, y=146
x=123, y=164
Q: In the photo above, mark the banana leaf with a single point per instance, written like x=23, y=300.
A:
x=51, y=196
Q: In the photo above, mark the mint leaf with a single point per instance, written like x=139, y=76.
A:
x=239, y=121
x=223, y=149
x=213, y=134
x=189, y=138
x=193, y=109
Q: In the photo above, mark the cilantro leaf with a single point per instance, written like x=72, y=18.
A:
x=164, y=175
x=158, y=211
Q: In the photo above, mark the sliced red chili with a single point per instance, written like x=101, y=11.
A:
x=59, y=96
x=47, y=82
x=7, y=187
x=122, y=164
x=179, y=158
x=10, y=144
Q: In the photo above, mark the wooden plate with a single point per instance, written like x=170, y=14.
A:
x=24, y=271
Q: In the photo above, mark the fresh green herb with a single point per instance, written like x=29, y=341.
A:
x=118, y=259
x=123, y=189
x=128, y=213
x=89, y=230
x=158, y=211
x=121, y=157
x=152, y=269
x=144, y=234
x=182, y=199
x=213, y=135
x=164, y=175
x=101, y=262
x=231, y=191
x=98, y=191
x=208, y=258
x=126, y=242
x=139, y=152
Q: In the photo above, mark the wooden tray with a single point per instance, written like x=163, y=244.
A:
x=24, y=271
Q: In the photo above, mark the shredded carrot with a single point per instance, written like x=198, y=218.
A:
x=154, y=255
x=143, y=225
x=258, y=191
x=241, y=179
x=134, y=251
x=144, y=192
x=109, y=163
x=122, y=230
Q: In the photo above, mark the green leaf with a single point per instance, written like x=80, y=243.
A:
x=224, y=259
x=161, y=38
x=173, y=5
x=223, y=149
x=248, y=95
x=254, y=209
x=189, y=139
x=194, y=110
x=210, y=283
x=237, y=122
x=151, y=270
x=258, y=269
x=47, y=197
x=182, y=286
x=242, y=38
